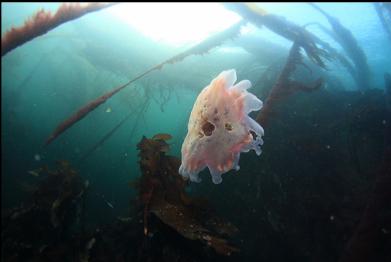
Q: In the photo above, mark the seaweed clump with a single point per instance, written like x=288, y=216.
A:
x=162, y=193
x=40, y=227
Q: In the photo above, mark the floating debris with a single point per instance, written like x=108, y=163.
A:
x=164, y=137
x=35, y=172
x=125, y=219
x=109, y=204
x=37, y=157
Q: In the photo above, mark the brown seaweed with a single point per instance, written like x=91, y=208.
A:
x=61, y=185
x=162, y=193
x=200, y=48
x=44, y=21
x=47, y=217
x=284, y=86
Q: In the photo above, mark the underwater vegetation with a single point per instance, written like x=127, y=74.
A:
x=285, y=87
x=314, y=102
x=283, y=27
x=52, y=226
x=47, y=217
x=44, y=21
x=198, y=49
x=346, y=39
x=162, y=193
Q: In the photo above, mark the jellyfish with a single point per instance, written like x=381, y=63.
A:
x=220, y=128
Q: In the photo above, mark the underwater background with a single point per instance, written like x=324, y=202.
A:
x=323, y=177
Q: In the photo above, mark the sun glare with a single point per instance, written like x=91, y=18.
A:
x=176, y=23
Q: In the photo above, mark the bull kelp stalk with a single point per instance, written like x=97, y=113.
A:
x=369, y=238
x=199, y=49
x=43, y=21
x=382, y=9
x=349, y=43
x=284, y=86
x=282, y=27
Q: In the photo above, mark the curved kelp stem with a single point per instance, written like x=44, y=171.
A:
x=284, y=86
x=282, y=27
x=43, y=21
x=349, y=43
x=369, y=239
x=201, y=48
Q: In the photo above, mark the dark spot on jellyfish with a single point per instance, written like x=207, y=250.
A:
x=216, y=119
x=253, y=134
x=216, y=111
x=228, y=126
x=208, y=128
